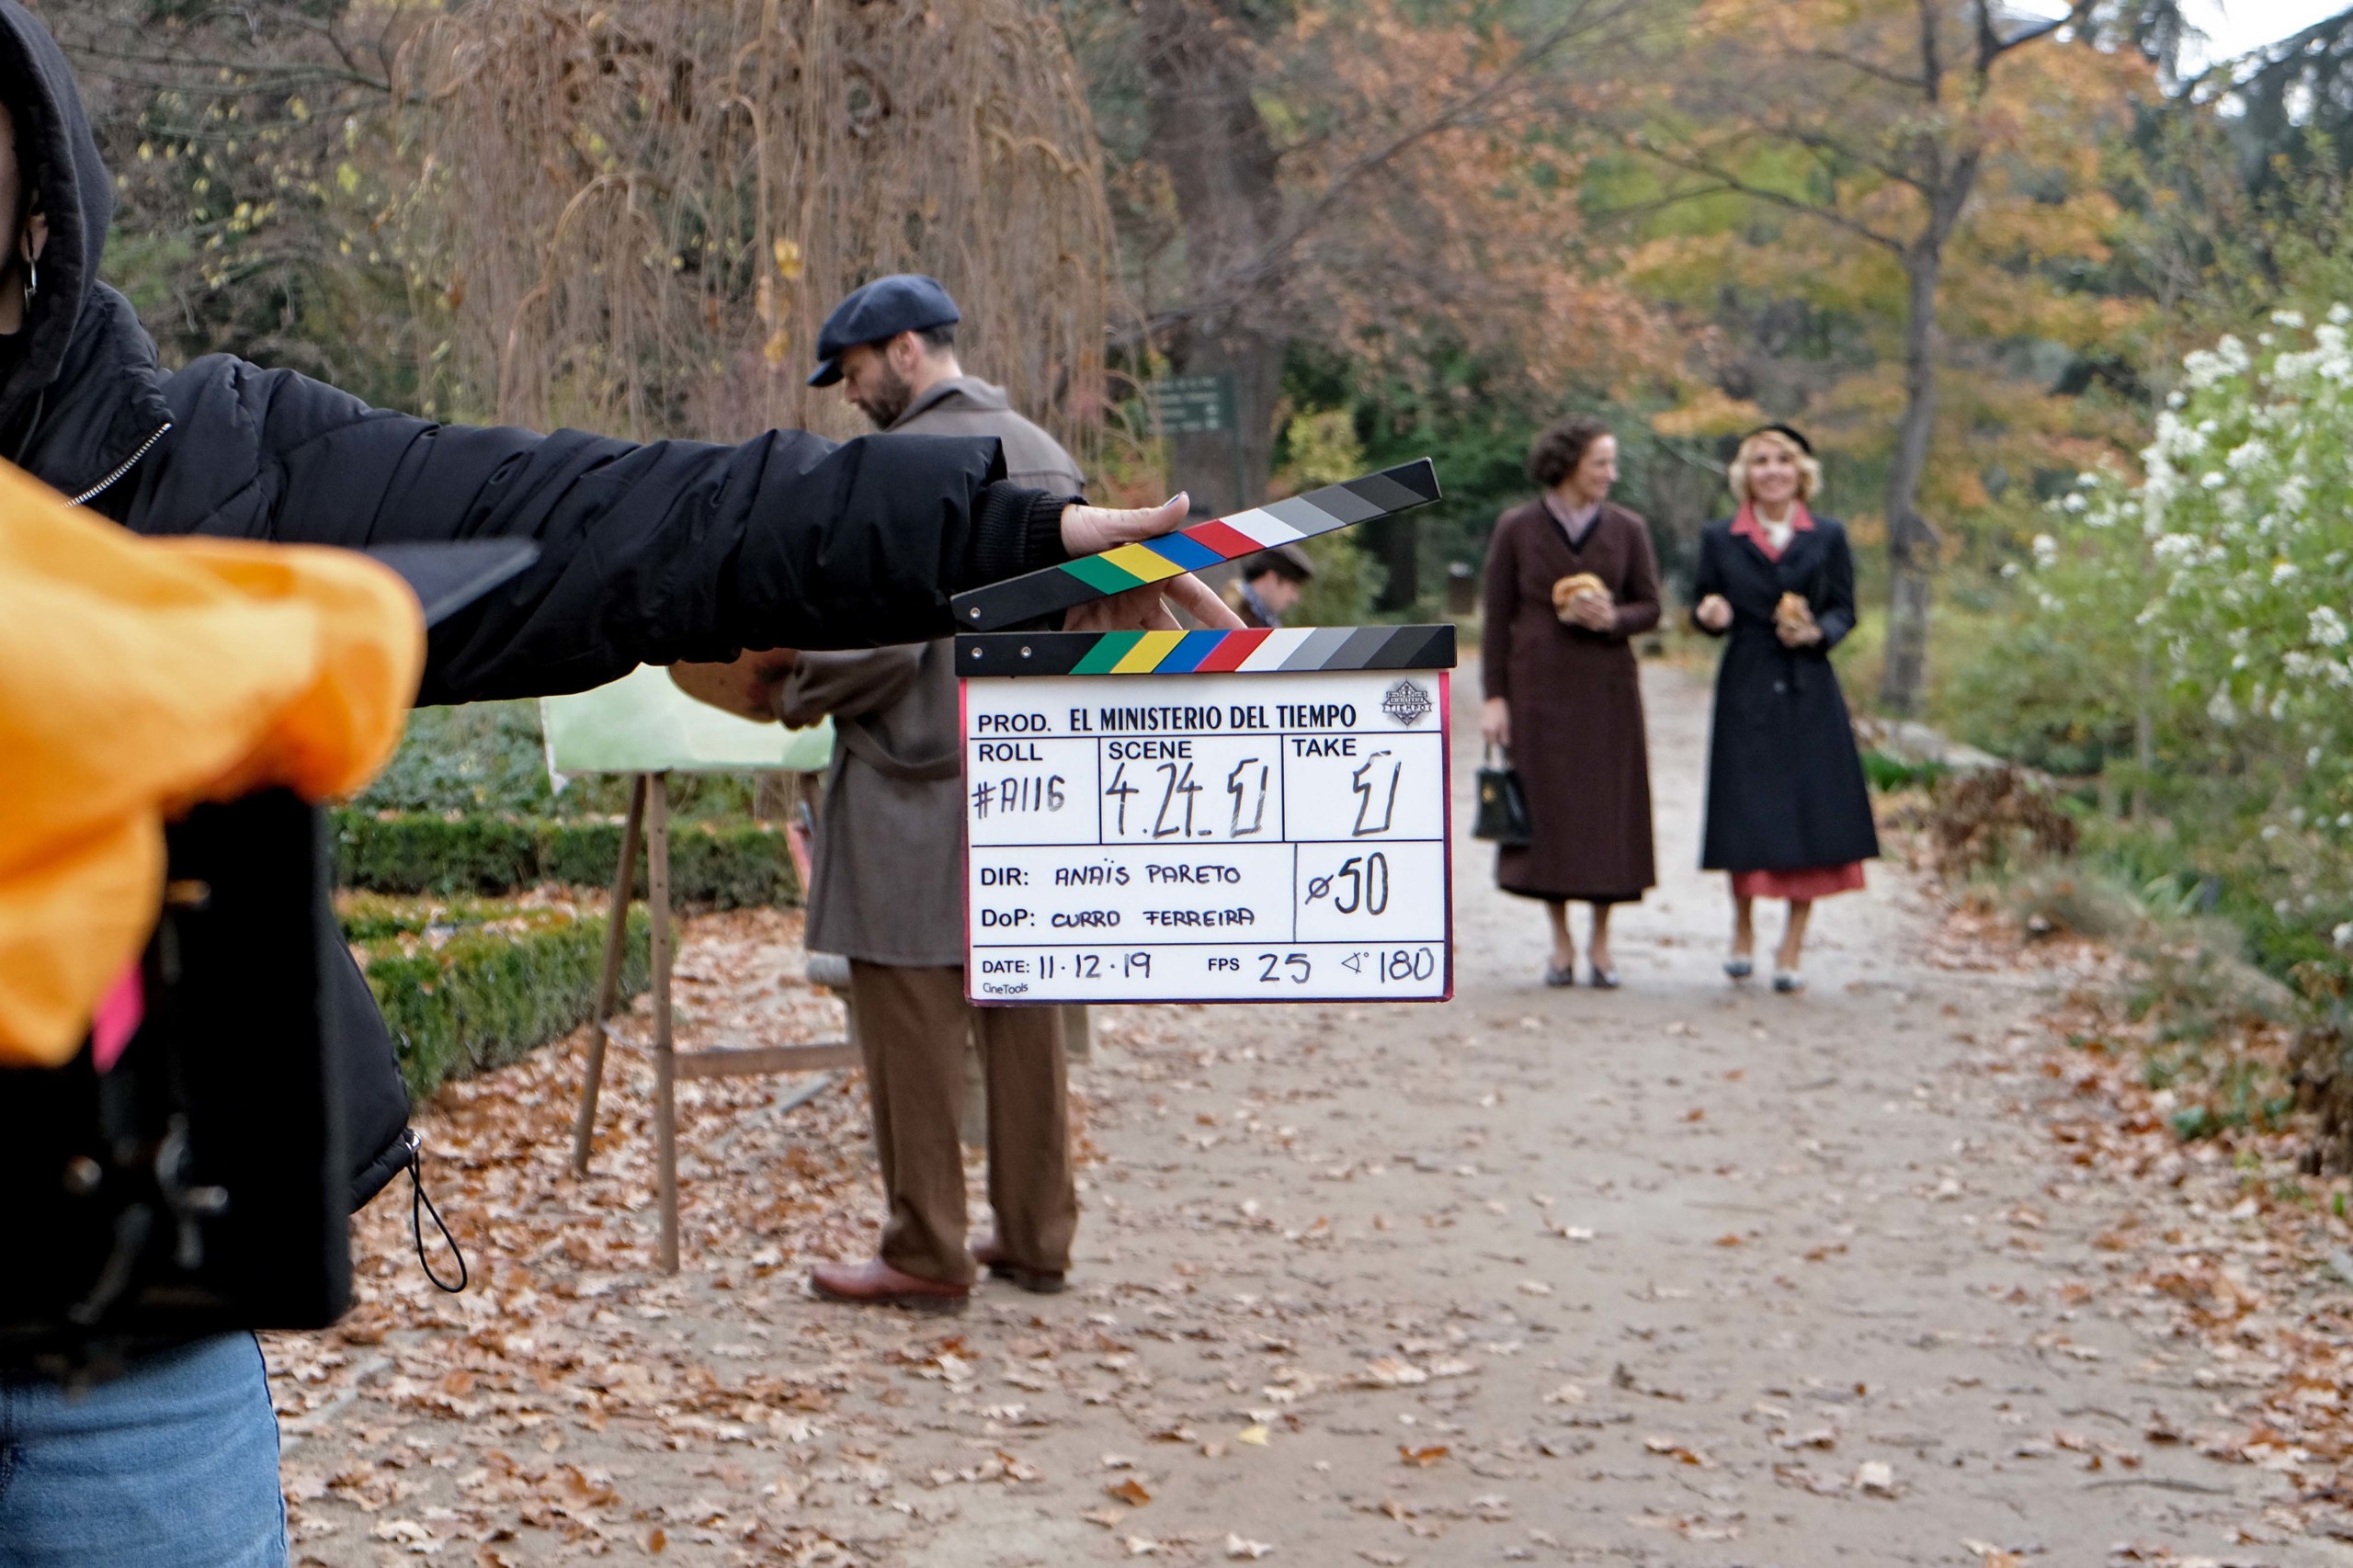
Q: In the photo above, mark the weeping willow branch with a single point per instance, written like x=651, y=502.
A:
x=638, y=216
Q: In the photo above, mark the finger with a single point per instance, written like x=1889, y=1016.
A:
x=1168, y=517
x=1123, y=611
x=1198, y=600
x=1160, y=619
x=1089, y=530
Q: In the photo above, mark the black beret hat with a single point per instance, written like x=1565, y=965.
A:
x=1778, y=428
x=904, y=302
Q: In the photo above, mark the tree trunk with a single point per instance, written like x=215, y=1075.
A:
x=1911, y=543
x=1396, y=543
x=1207, y=133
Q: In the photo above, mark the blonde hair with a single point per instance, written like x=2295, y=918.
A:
x=1809, y=470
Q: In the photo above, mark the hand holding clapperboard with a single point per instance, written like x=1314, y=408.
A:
x=1231, y=816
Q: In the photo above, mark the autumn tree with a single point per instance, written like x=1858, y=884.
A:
x=1382, y=180
x=1905, y=130
x=238, y=136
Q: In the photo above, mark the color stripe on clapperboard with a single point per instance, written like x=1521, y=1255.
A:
x=1058, y=588
x=1289, y=652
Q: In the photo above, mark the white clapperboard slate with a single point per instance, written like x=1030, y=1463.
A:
x=1208, y=816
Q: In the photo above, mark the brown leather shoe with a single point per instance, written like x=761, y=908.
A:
x=1036, y=1281
x=875, y=1283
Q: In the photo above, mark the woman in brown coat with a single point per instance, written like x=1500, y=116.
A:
x=1570, y=580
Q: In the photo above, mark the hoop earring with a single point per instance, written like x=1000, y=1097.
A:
x=32, y=279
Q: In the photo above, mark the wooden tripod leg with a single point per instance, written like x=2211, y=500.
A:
x=608, y=988
x=666, y=1063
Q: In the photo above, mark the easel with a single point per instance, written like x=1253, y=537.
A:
x=649, y=820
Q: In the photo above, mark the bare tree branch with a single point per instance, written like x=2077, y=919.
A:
x=1885, y=73
x=1727, y=180
x=1822, y=142
x=1992, y=46
x=1932, y=70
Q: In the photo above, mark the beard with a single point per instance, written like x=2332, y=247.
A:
x=888, y=400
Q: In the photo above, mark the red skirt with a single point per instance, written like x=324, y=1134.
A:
x=1799, y=887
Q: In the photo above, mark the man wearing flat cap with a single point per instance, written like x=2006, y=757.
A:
x=1270, y=585
x=888, y=889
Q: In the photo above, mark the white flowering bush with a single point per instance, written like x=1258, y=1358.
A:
x=2219, y=589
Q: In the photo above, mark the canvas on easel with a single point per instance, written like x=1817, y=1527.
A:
x=643, y=726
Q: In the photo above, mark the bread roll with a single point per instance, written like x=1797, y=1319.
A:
x=745, y=686
x=1569, y=588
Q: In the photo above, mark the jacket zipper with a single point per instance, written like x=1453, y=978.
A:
x=108, y=483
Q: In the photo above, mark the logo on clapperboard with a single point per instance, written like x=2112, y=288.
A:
x=1407, y=702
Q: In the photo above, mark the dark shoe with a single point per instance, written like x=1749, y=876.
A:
x=875, y=1283
x=1787, y=982
x=1558, y=978
x=1036, y=1281
x=1604, y=980
x=1740, y=968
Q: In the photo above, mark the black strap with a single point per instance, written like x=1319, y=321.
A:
x=420, y=1205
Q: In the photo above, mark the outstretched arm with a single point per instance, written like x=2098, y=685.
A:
x=652, y=553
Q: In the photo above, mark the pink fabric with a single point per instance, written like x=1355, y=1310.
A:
x=1747, y=524
x=120, y=1012
x=1799, y=887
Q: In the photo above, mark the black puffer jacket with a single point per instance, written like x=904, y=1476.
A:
x=649, y=553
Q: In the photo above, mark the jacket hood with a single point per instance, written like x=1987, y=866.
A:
x=54, y=141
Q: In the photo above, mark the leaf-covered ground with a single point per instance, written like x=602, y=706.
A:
x=1890, y=1273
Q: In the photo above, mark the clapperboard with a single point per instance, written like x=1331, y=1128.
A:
x=1227, y=816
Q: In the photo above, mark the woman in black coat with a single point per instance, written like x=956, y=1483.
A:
x=1789, y=813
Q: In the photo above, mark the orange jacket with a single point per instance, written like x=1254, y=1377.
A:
x=139, y=677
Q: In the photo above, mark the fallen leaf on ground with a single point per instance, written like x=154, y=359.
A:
x=1423, y=1457
x=1131, y=1492
x=1875, y=1477
x=1254, y=1434
x=1235, y=1547
x=1388, y=1372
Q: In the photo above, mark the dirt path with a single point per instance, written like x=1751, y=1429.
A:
x=1677, y=1274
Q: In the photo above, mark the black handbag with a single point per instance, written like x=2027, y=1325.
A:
x=1502, y=815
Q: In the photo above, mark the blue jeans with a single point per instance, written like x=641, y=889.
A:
x=172, y=1465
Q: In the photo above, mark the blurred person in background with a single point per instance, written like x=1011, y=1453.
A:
x=1270, y=585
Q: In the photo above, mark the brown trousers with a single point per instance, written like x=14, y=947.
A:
x=912, y=1024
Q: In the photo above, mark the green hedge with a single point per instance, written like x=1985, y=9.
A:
x=729, y=864
x=471, y=986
